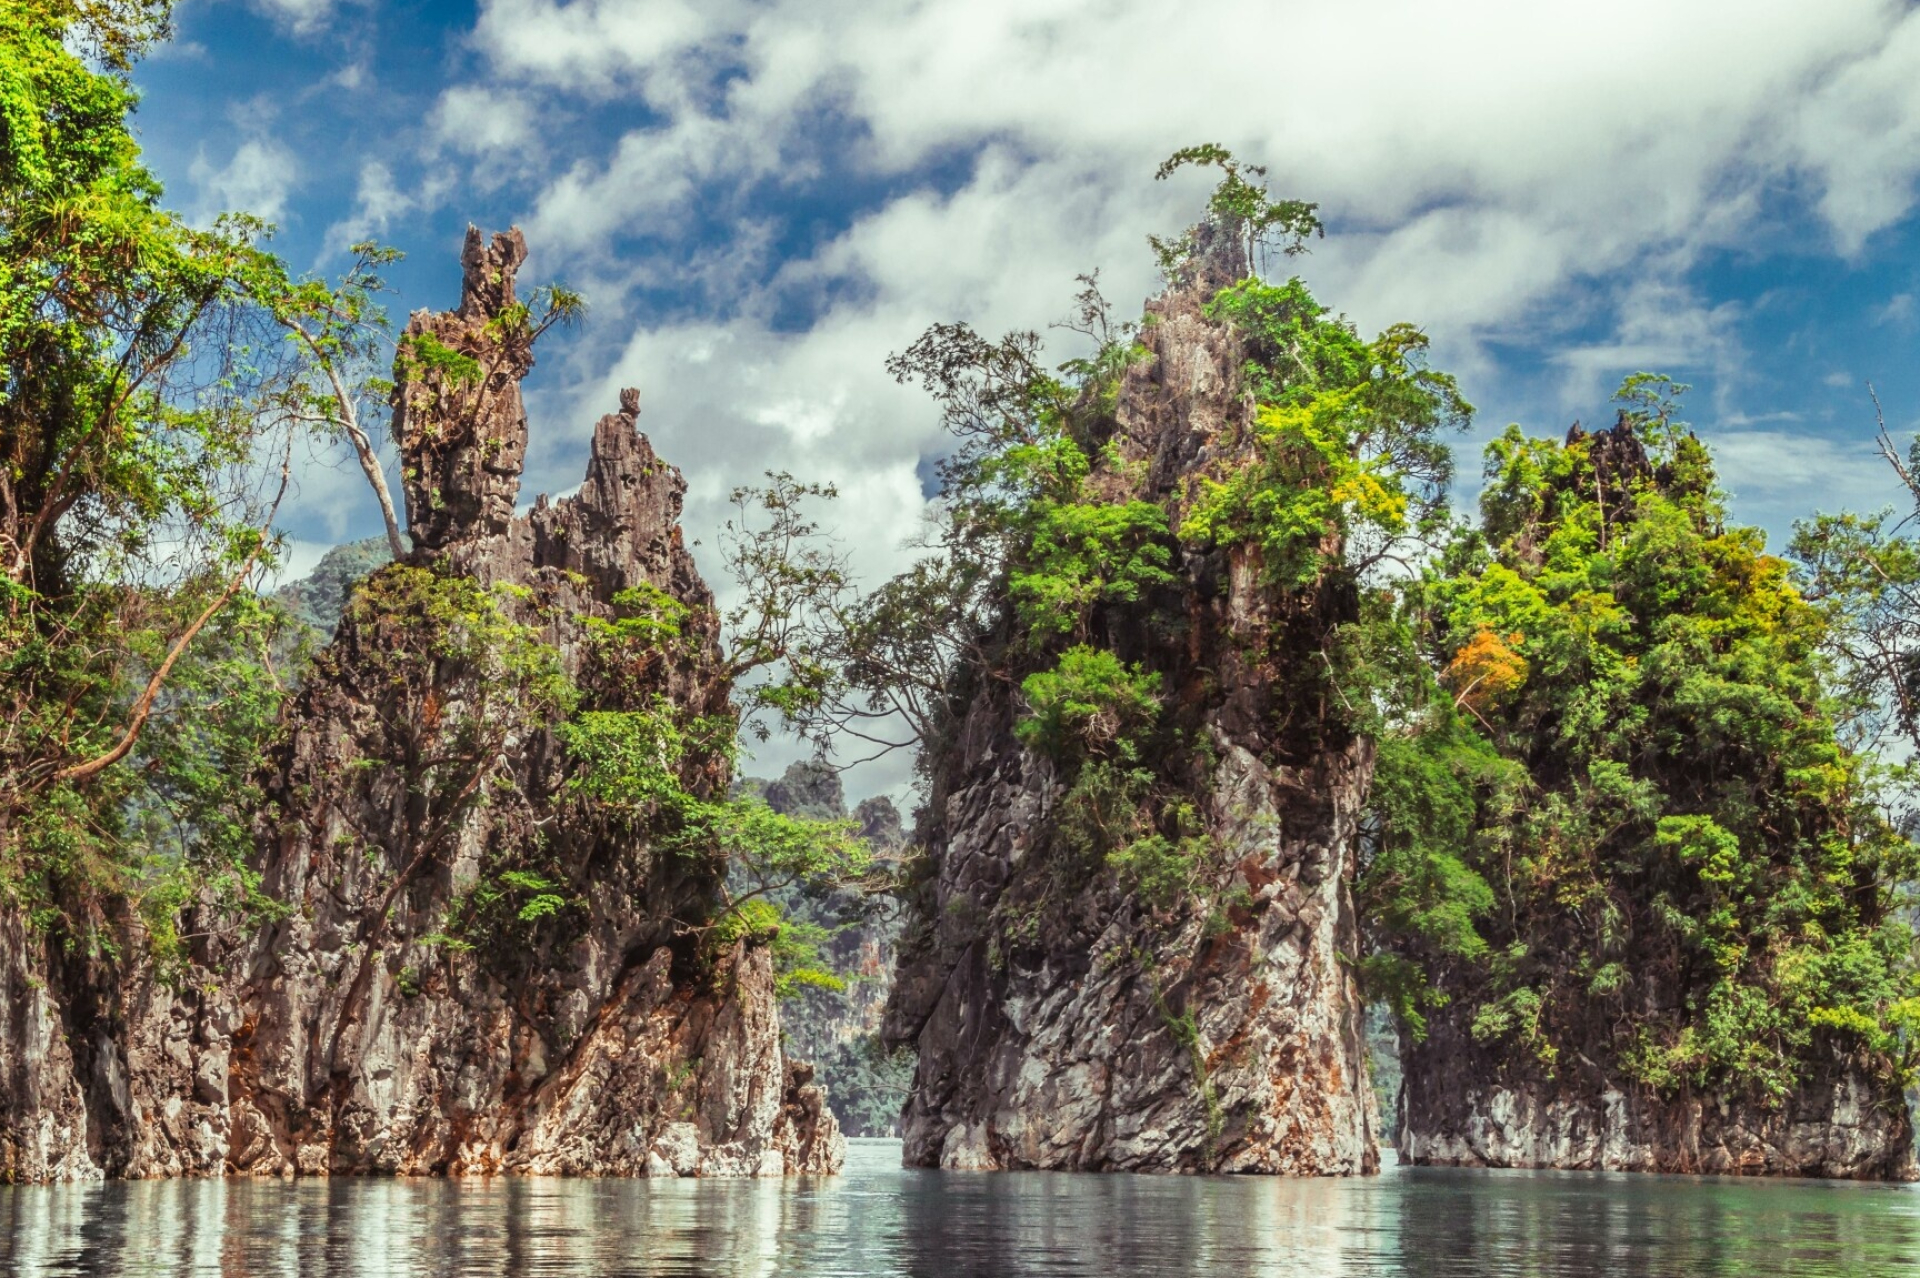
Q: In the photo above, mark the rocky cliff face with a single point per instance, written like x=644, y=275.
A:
x=473, y=968
x=106, y=1070
x=1457, y=1111
x=480, y=972
x=1064, y=1022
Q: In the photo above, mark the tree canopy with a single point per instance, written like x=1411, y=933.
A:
x=1617, y=817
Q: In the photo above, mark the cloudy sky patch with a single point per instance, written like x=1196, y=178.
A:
x=762, y=199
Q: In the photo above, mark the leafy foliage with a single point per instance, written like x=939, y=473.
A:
x=1689, y=877
x=1348, y=451
x=1241, y=204
x=132, y=518
x=1091, y=705
x=645, y=767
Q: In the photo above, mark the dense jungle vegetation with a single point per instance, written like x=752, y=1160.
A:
x=1642, y=786
x=1618, y=810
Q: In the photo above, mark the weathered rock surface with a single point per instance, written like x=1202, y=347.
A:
x=105, y=1070
x=589, y=1039
x=463, y=432
x=475, y=970
x=1060, y=1022
x=1841, y=1124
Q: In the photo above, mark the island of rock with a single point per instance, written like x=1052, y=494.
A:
x=465, y=967
x=1060, y=1022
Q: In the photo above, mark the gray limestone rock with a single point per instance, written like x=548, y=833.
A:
x=1061, y=1021
x=1460, y=1107
x=594, y=1039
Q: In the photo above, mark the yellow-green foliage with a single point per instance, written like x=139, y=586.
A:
x=1345, y=457
x=1091, y=704
x=642, y=766
x=1083, y=553
x=798, y=962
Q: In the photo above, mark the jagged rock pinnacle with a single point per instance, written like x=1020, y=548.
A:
x=457, y=413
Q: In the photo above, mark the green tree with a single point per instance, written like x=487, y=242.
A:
x=134, y=509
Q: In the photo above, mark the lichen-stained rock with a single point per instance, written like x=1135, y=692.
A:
x=1062, y=1022
x=478, y=970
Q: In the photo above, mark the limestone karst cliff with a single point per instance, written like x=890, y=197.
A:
x=1069, y=1011
x=1684, y=948
x=468, y=964
x=1461, y=1108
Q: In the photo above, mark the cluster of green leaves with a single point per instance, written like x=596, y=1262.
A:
x=1348, y=458
x=796, y=945
x=1090, y=705
x=1626, y=824
x=1422, y=885
x=652, y=769
x=136, y=677
x=1081, y=554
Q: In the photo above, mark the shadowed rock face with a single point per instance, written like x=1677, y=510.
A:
x=1059, y=1023
x=388, y=1022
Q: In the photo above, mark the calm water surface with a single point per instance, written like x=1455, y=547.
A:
x=880, y=1220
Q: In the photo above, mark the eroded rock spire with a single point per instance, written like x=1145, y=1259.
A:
x=457, y=413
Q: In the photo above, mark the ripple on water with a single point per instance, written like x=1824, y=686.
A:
x=879, y=1219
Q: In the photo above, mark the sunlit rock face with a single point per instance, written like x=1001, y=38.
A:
x=1061, y=1023
x=591, y=1038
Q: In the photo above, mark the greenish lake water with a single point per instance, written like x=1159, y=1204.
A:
x=880, y=1220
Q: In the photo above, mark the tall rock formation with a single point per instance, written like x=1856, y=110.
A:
x=478, y=970
x=1063, y=1021
x=1684, y=956
x=469, y=965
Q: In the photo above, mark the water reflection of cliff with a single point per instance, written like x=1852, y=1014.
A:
x=880, y=1220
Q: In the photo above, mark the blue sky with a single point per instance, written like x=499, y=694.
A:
x=762, y=198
